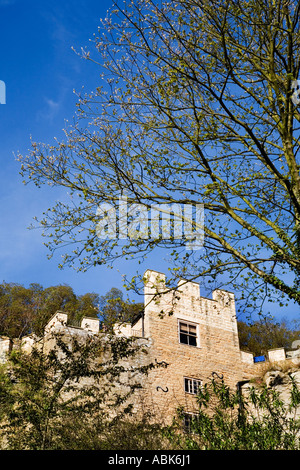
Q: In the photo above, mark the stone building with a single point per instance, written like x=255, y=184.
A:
x=191, y=338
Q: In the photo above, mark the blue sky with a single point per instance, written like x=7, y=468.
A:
x=41, y=71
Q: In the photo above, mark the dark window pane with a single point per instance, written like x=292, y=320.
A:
x=195, y=387
x=192, y=385
x=183, y=338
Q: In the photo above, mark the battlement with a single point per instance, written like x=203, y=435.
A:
x=183, y=302
x=60, y=321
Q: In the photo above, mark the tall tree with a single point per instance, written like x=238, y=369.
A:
x=17, y=308
x=114, y=309
x=261, y=335
x=199, y=105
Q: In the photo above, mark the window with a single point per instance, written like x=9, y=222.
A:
x=192, y=385
x=188, y=333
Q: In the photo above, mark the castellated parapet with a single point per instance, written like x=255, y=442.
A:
x=194, y=337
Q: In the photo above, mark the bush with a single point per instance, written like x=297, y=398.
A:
x=73, y=397
x=256, y=420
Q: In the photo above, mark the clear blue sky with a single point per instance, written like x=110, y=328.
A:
x=41, y=71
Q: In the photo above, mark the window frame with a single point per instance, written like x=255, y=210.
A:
x=190, y=382
x=189, y=323
x=187, y=419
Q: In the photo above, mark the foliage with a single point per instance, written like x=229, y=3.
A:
x=44, y=395
x=26, y=310
x=113, y=309
x=197, y=106
x=229, y=420
x=124, y=434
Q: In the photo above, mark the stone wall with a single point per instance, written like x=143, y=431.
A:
x=216, y=353
x=216, y=349
x=188, y=337
x=5, y=347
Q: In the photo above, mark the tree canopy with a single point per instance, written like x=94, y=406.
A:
x=25, y=310
x=197, y=104
x=261, y=335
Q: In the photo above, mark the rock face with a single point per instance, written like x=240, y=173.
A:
x=282, y=382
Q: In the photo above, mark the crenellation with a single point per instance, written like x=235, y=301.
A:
x=90, y=324
x=190, y=290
